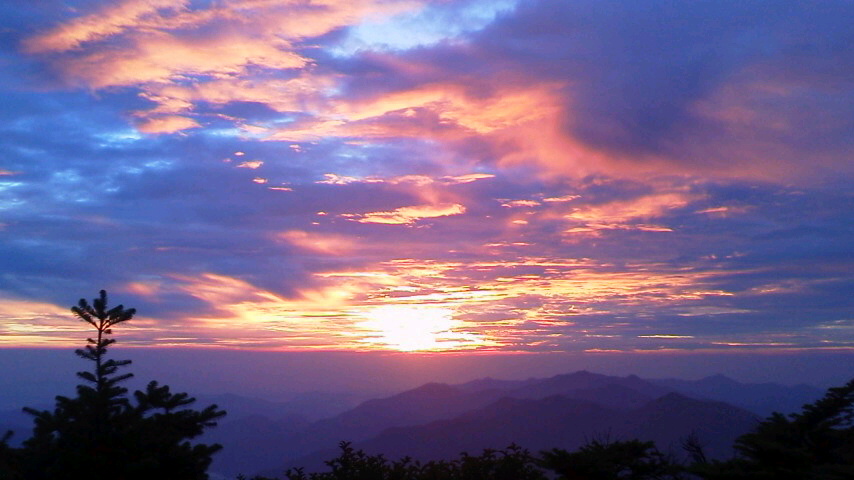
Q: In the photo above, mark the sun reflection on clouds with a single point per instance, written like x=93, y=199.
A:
x=408, y=215
x=412, y=305
x=416, y=328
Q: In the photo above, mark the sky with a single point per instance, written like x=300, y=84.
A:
x=451, y=176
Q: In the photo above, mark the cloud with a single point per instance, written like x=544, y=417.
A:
x=520, y=203
x=159, y=46
x=573, y=89
x=157, y=57
x=111, y=20
x=409, y=215
x=580, y=90
x=166, y=124
x=35, y=323
x=644, y=82
x=329, y=244
x=624, y=211
x=253, y=164
x=574, y=175
x=468, y=178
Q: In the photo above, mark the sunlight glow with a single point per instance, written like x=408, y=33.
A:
x=416, y=328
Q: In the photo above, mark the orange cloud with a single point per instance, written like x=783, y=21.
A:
x=565, y=198
x=468, y=178
x=111, y=20
x=409, y=215
x=28, y=323
x=253, y=164
x=35, y=324
x=161, y=57
x=520, y=203
x=486, y=305
x=157, y=44
x=328, y=244
x=303, y=92
x=524, y=121
x=247, y=316
x=593, y=220
x=623, y=211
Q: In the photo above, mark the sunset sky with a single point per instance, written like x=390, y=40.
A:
x=431, y=175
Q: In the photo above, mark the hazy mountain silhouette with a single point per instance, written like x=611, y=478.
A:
x=670, y=419
x=437, y=401
x=561, y=422
x=760, y=398
x=489, y=383
x=612, y=396
x=572, y=383
x=532, y=423
x=440, y=420
x=430, y=402
x=240, y=406
x=257, y=432
x=252, y=442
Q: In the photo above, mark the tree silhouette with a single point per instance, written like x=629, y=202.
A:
x=612, y=460
x=101, y=434
x=10, y=468
x=511, y=463
x=817, y=443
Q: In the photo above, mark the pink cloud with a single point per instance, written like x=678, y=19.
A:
x=518, y=109
x=111, y=20
x=166, y=124
x=158, y=45
x=159, y=57
x=325, y=243
x=520, y=203
x=623, y=211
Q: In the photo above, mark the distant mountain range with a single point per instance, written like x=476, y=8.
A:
x=760, y=398
x=436, y=420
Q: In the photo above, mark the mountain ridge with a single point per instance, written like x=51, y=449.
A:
x=609, y=402
x=424, y=411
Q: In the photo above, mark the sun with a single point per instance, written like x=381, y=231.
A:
x=411, y=328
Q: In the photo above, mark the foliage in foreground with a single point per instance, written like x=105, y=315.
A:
x=816, y=444
x=512, y=463
x=101, y=433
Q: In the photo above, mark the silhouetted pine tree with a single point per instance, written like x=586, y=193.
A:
x=816, y=444
x=101, y=434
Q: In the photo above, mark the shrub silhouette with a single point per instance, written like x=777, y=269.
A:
x=511, y=463
x=612, y=460
x=102, y=434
